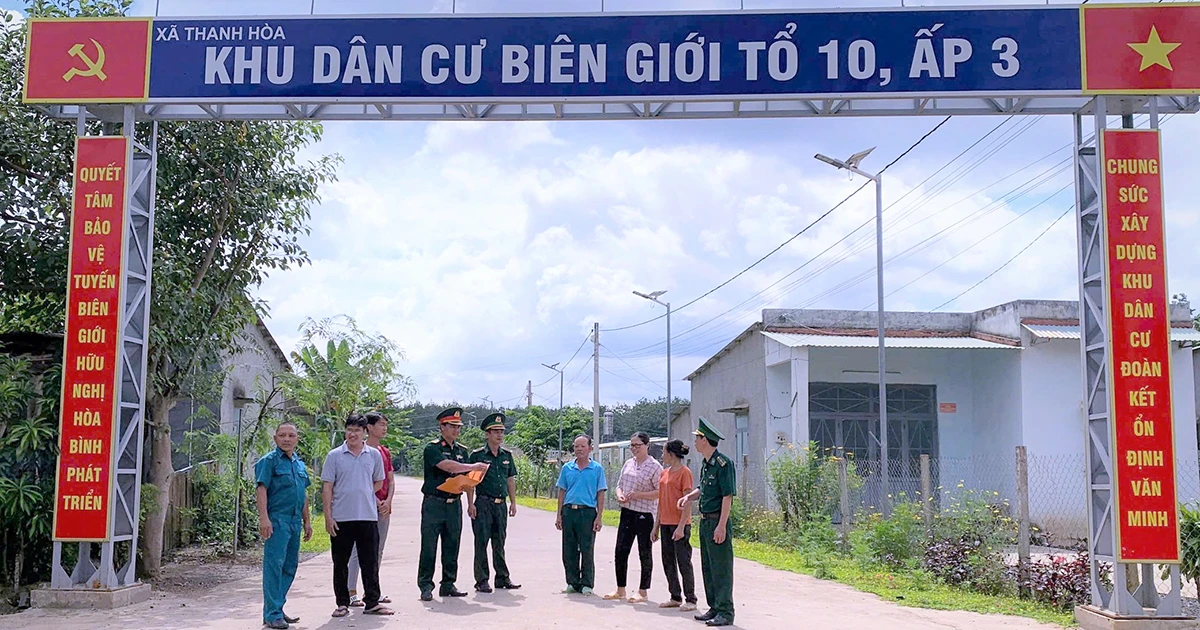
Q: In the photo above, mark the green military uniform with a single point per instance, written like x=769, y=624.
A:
x=718, y=479
x=491, y=518
x=441, y=513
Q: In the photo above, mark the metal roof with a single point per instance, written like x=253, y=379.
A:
x=854, y=341
x=1042, y=331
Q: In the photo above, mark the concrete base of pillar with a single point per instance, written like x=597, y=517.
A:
x=88, y=598
x=1092, y=618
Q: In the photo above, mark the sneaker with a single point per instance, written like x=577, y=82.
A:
x=587, y=590
x=687, y=606
x=570, y=590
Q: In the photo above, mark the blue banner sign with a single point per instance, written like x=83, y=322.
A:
x=619, y=57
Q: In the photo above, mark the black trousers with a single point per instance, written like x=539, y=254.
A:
x=363, y=535
x=441, y=519
x=634, y=525
x=677, y=562
x=490, y=526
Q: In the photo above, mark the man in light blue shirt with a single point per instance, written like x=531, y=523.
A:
x=581, y=487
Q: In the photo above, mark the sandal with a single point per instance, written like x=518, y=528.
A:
x=378, y=610
x=341, y=611
x=355, y=602
x=385, y=600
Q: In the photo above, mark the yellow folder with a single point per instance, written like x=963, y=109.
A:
x=458, y=483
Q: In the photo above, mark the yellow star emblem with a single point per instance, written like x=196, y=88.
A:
x=1154, y=51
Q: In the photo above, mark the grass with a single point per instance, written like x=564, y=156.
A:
x=319, y=543
x=905, y=589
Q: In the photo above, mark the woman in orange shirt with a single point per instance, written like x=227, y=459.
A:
x=675, y=527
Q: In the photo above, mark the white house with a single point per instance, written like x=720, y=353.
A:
x=964, y=388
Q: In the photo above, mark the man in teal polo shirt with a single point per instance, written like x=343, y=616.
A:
x=581, y=486
x=282, y=482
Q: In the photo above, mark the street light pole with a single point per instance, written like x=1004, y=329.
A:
x=653, y=297
x=560, y=404
x=851, y=164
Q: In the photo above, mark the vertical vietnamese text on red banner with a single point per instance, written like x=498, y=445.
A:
x=1139, y=328
x=90, y=391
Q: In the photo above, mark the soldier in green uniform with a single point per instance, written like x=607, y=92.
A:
x=489, y=519
x=718, y=486
x=441, y=512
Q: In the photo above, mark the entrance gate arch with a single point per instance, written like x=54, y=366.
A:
x=1099, y=64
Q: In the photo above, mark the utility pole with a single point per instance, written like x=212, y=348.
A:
x=560, y=404
x=529, y=394
x=596, y=383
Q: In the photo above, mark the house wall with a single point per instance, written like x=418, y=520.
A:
x=249, y=374
x=736, y=378
x=949, y=370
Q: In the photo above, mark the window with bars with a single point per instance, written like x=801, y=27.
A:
x=846, y=416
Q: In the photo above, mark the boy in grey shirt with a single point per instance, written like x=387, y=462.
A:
x=352, y=474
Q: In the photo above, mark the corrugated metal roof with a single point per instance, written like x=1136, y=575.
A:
x=853, y=341
x=1042, y=331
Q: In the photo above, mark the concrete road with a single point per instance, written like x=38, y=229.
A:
x=766, y=599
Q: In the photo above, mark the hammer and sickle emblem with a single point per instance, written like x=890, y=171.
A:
x=94, y=68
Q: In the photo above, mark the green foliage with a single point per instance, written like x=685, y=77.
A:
x=535, y=481
x=357, y=372
x=28, y=454
x=216, y=487
x=806, y=485
x=894, y=541
x=968, y=540
x=647, y=414
x=536, y=429
x=1189, y=537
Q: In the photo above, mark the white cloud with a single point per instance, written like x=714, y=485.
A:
x=497, y=244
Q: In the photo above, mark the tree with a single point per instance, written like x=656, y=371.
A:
x=649, y=415
x=232, y=202
x=536, y=431
x=358, y=372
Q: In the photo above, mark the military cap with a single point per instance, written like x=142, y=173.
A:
x=452, y=415
x=494, y=421
x=708, y=431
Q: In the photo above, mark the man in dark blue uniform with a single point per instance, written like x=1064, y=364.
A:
x=281, y=481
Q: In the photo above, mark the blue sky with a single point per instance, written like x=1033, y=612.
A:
x=485, y=249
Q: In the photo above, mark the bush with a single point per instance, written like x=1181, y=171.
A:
x=968, y=537
x=965, y=563
x=806, y=485
x=895, y=542
x=1061, y=582
x=765, y=526
x=216, y=491
x=1189, y=537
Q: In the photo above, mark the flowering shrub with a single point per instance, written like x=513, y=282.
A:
x=1060, y=582
x=806, y=485
x=967, y=541
x=894, y=541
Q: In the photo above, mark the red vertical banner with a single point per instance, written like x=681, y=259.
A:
x=90, y=392
x=1146, y=515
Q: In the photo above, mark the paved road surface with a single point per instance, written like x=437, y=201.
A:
x=766, y=599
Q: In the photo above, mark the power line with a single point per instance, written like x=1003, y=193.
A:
x=793, y=237
x=1007, y=262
